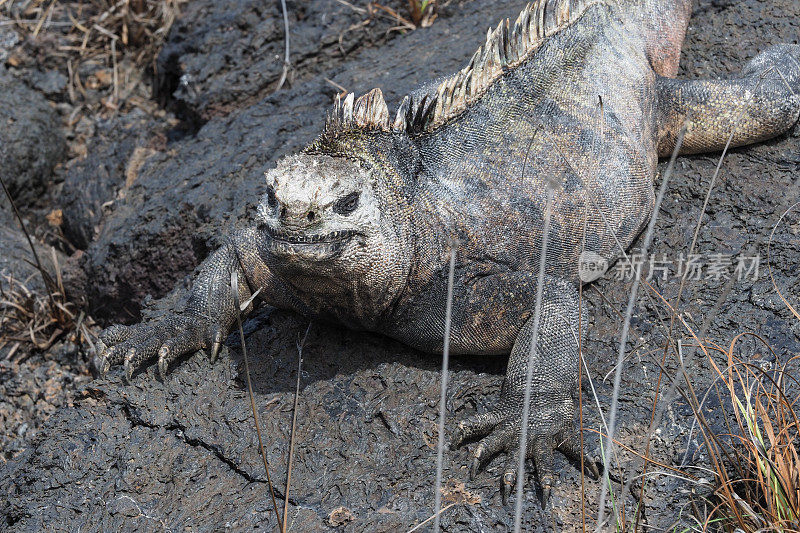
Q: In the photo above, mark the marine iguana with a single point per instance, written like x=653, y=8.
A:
x=357, y=227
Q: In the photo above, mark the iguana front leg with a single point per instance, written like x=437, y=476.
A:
x=553, y=387
x=209, y=315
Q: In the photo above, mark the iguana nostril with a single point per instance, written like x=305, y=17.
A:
x=310, y=216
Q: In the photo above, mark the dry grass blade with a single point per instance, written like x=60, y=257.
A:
x=28, y=315
x=443, y=396
x=423, y=12
x=649, y=460
x=769, y=263
x=394, y=14
x=455, y=493
x=46, y=279
x=287, y=65
x=112, y=43
x=667, y=398
x=235, y=293
x=526, y=409
x=627, y=322
x=300, y=345
x=432, y=517
x=580, y=382
x=764, y=493
x=661, y=192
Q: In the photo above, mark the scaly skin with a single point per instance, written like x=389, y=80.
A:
x=358, y=227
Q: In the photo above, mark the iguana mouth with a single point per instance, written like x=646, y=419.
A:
x=294, y=238
x=318, y=246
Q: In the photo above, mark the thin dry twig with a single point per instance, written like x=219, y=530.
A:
x=627, y=323
x=443, y=396
x=287, y=65
x=432, y=517
x=48, y=281
x=423, y=12
x=300, y=345
x=523, y=441
x=764, y=494
x=235, y=293
x=405, y=23
x=667, y=398
x=122, y=37
x=28, y=316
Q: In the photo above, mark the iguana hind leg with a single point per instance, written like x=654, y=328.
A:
x=663, y=25
x=552, y=405
x=761, y=102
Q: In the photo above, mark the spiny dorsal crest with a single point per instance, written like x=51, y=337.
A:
x=367, y=112
x=505, y=48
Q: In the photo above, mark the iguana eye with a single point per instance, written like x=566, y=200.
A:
x=272, y=200
x=346, y=205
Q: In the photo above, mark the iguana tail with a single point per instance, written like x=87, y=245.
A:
x=763, y=101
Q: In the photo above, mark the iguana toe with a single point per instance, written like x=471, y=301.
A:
x=174, y=347
x=216, y=344
x=500, y=432
x=509, y=479
x=541, y=451
x=569, y=444
x=140, y=351
x=475, y=426
x=100, y=363
x=116, y=334
x=543, y=460
x=504, y=438
x=164, y=358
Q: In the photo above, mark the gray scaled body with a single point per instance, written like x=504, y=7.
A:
x=576, y=95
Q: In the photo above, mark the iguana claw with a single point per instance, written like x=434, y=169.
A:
x=101, y=365
x=216, y=344
x=509, y=480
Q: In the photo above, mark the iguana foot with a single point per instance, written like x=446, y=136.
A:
x=168, y=338
x=553, y=385
x=499, y=431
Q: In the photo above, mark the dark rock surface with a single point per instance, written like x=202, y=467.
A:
x=222, y=55
x=33, y=385
x=185, y=199
x=16, y=257
x=32, y=388
x=119, y=147
x=31, y=142
x=183, y=453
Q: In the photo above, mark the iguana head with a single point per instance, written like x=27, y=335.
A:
x=327, y=224
x=319, y=208
x=339, y=214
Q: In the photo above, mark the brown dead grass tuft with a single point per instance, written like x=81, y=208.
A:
x=423, y=12
x=101, y=46
x=35, y=319
x=759, y=487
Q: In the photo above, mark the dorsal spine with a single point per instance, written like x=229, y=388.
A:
x=505, y=48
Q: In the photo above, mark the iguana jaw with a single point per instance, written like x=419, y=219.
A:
x=308, y=246
x=332, y=230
